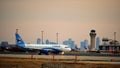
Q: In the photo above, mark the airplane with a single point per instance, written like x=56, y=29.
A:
x=42, y=48
x=5, y=47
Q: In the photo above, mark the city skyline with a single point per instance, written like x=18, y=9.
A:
x=70, y=18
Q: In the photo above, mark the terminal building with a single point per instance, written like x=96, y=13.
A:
x=109, y=45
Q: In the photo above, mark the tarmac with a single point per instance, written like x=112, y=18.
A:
x=57, y=61
x=110, y=60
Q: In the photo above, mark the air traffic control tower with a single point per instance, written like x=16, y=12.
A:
x=92, y=39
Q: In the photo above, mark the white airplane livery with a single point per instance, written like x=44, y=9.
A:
x=42, y=48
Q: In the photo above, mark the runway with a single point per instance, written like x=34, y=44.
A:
x=116, y=60
x=57, y=61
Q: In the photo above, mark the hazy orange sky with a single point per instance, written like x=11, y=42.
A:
x=70, y=18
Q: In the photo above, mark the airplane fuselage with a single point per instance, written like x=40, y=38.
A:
x=47, y=46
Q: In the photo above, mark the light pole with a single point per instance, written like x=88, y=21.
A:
x=114, y=38
x=57, y=37
x=42, y=36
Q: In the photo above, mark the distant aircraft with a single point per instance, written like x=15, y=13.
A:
x=43, y=48
x=5, y=47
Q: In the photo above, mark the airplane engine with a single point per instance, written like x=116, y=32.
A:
x=43, y=52
x=49, y=51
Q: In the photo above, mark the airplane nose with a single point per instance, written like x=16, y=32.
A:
x=69, y=49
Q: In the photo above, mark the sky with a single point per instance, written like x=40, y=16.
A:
x=70, y=18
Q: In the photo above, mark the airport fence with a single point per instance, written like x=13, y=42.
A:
x=91, y=54
x=78, y=65
x=55, y=65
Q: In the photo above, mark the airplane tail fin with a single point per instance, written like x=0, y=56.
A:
x=19, y=40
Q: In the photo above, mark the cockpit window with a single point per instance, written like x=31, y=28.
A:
x=66, y=47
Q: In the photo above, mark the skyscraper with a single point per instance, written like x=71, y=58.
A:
x=70, y=42
x=97, y=43
x=38, y=41
x=47, y=41
x=82, y=45
x=86, y=46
